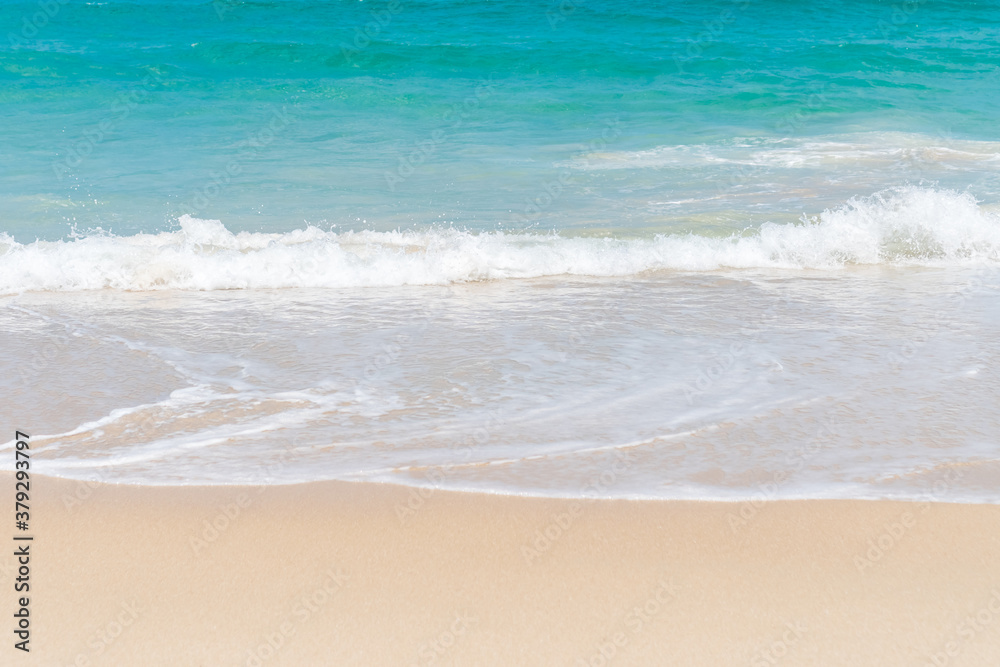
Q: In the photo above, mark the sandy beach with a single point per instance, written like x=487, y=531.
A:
x=556, y=334
x=340, y=573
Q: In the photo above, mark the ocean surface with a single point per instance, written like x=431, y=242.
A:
x=719, y=250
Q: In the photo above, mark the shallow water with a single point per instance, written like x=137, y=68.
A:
x=725, y=251
x=850, y=383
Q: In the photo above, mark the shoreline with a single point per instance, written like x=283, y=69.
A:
x=338, y=573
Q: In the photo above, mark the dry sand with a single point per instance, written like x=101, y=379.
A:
x=341, y=574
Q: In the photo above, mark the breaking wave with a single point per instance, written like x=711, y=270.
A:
x=900, y=226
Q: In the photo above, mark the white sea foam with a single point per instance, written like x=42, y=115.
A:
x=900, y=226
x=851, y=151
x=708, y=386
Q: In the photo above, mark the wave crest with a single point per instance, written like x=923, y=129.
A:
x=900, y=226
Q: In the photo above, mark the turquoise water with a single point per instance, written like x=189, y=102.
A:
x=270, y=115
x=713, y=250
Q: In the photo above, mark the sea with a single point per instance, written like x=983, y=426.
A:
x=727, y=250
